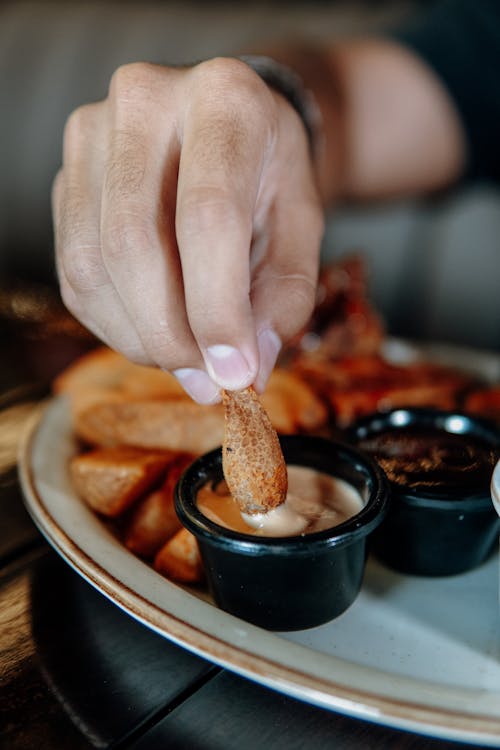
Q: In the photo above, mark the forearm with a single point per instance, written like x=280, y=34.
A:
x=390, y=128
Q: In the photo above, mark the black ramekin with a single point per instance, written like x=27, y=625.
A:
x=434, y=532
x=296, y=582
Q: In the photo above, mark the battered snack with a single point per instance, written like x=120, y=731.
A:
x=252, y=460
x=154, y=520
x=355, y=386
x=179, y=559
x=178, y=425
x=111, y=479
x=292, y=405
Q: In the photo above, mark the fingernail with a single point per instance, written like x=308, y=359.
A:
x=198, y=385
x=228, y=367
x=269, y=344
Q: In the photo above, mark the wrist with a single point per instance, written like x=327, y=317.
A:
x=312, y=75
x=285, y=81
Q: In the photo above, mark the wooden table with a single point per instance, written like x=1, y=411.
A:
x=76, y=672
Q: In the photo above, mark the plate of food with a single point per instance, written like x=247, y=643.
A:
x=98, y=469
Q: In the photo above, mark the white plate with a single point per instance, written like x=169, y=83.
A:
x=412, y=653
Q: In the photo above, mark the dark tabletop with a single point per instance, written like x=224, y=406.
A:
x=76, y=672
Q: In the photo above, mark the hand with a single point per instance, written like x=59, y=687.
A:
x=188, y=223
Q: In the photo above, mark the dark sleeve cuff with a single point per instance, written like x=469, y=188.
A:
x=460, y=41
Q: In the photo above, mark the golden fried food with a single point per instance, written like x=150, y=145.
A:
x=292, y=405
x=154, y=521
x=178, y=425
x=104, y=376
x=355, y=386
x=100, y=368
x=151, y=383
x=179, y=559
x=252, y=460
x=111, y=479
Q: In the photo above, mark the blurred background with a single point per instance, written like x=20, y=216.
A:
x=434, y=264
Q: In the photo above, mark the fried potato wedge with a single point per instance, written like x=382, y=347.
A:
x=103, y=377
x=100, y=368
x=109, y=480
x=154, y=521
x=151, y=383
x=179, y=559
x=180, y=425
x=106, y=376
x=292, y=405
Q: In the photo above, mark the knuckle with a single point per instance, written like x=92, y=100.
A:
x=134, y=352
x=130, y=233
x=223, y=69
x=159, y=342
x=131, y=80
x=208, y=208
x=228, y=71
x=299, y=287
x=304, y=292
x=166, y=348
x=246, y=97
x=74, y=126
x=74, y=232
x=83, y=269
x=78, y=126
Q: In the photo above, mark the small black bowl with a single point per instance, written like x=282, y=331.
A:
x=441, y=521
x=295, y=582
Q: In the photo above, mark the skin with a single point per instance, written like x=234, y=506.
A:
x=188, y=212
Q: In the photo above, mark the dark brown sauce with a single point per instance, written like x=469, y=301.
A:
x=433, y=459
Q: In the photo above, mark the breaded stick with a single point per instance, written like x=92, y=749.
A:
x=252, y=459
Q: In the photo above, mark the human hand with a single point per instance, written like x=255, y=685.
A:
x=188, y=223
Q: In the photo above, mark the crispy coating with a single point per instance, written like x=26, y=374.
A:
x=292, y=405
x=154, y=521
x=252, y=459
x=359, y=385
x=111, y=479
x=179, y=559
x=178, y=425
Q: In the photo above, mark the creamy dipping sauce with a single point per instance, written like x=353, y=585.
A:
x=315, y=501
